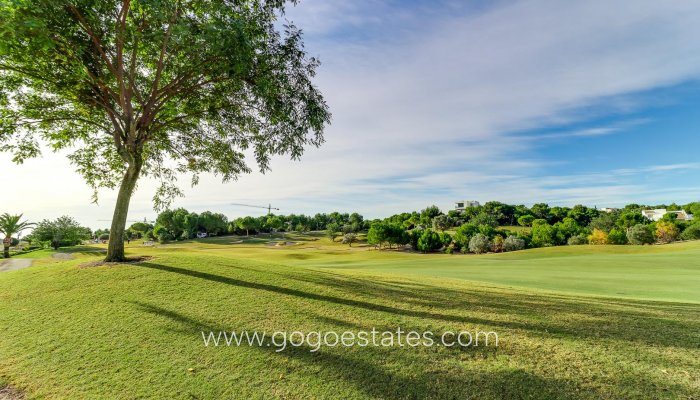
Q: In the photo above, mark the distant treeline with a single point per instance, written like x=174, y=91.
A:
x=492, y=227
x=181, y=224
x=484, y=228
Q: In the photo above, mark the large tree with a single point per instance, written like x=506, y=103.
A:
x=155, y=88
x=247, y=223
x=64, y=231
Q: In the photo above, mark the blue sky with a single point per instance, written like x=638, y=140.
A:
x=592, y=102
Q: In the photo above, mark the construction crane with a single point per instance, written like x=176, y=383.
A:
x=268, y=207
x=131, y=220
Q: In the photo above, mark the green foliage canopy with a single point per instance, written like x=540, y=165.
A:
x=64, y=231
x=155, y=88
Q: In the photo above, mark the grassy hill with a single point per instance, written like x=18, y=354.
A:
x=134, y=331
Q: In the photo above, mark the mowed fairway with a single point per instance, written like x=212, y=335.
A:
x=669, y=272
x=572, y=322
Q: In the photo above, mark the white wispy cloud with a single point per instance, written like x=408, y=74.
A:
x=428, y=103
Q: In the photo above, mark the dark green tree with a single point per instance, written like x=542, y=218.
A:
x=155, y=88
x=629, y=219
x=463, y=236
x=174, y=225
x=428, y=241
x=442, y=222
x=693, y=208
x=427, y=215
x=692, y=232
x=544, y=234
x=540, y=211
x=617, y=236
x=274, y=223
x=387, y=233
x=605, y=221
x=139, y=229
x=332, y=231
x=63, y=231
x=640, y=234
x=247, y=224
x=557, y=214
x=526, y=220
x=484, y=218
x=212, y=223
x=582, y=214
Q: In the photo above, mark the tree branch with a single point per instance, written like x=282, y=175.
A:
x=71, y=118
x=121, y=28
x=95, y=40
x=160, y=65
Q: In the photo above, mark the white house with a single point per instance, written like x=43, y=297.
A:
x=463, y=204
x=609, y=209
x=657, y=214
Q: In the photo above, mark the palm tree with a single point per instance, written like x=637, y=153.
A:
x=9, y=225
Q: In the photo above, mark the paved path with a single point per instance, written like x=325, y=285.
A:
x=14, y=264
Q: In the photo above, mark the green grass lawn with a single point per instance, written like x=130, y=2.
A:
x=572, y=322
x=669, y=272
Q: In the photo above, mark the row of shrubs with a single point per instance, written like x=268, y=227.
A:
x=640, y=234
x=478, y=239
x=469, y=238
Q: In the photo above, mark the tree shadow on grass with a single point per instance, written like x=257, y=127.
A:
x=365, y=369
x=417, y=373
x=81, y=250
x=303, y=294
x=368, y=374
x=542, y=315
x=649, y=322
x=644, y=322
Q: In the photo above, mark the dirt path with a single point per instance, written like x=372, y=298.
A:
x=10, y=393
x=62, y=256
x=14, y=264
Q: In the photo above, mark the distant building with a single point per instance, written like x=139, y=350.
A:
x=657, y=214
x=609, y=209
x=463, y=204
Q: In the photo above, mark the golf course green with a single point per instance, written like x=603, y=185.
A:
x=573, y=322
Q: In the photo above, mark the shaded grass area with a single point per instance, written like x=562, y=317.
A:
x=134, y=331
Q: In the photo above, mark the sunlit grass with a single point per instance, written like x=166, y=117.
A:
x=133, y=331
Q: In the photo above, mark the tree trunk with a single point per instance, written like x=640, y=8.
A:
x=6, y=250
x=115, y=249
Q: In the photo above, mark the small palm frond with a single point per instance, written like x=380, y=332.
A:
x=11, y=224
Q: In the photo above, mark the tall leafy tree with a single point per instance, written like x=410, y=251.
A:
x=213, y=223
x=175, y=224
x=155, y=88
x=442, y=222
x=63, y=231
x=332, y=231
x=247, y=223
x=274, y=223
x=10, y=225
x=582, y=214
x=427, y=215
x=540, y=210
